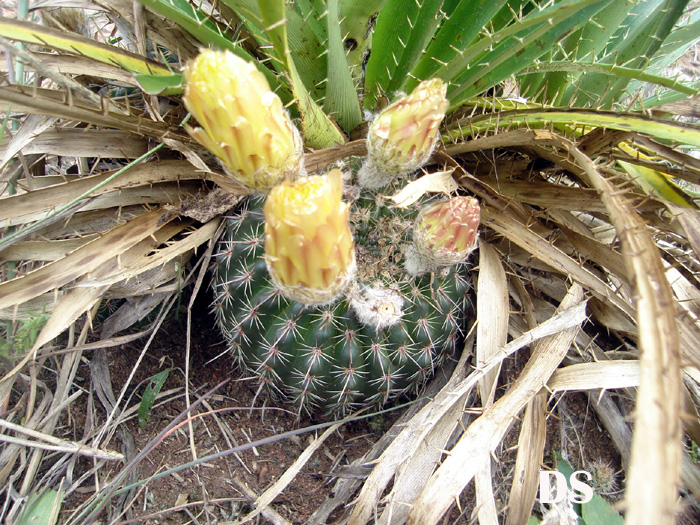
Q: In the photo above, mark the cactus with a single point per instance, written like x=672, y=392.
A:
x=324, y=299
x=383, y=337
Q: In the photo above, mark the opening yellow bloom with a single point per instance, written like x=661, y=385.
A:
x=308, y=243
x=243, y=122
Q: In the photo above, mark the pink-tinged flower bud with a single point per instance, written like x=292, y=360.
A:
x=444, y=233
x=308, y=243
x=243, y=122
x=402, y=137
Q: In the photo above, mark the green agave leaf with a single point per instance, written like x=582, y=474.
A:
x=31, y=33
x=453, y=37
x=356, y=23
x=305, y=33
x=193, y=21
x=585, y=44
x=161, y=84
x=662, y=98
x=678, y=43
x=318, y=130
x=563, y=466
x=207, y=32
x=403, y=31
x=638, y=39
x=612, y=70
x=515, y=53
x=249, y=13
x=657, y=184
x=519, y=27
x=341, y=97
x=42, y=508
x=155, y=383
x=600, y=512
x=654, y=127
x=307, y=37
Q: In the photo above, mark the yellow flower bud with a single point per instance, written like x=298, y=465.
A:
x=444, y=233
x=308, y=243
x=402, y=137
x=243, y=122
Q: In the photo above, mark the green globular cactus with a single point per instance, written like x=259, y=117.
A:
x=324, y=291
x=383, y=337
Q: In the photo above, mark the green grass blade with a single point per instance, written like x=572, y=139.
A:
x=403, y=31
x=155, y=383
x=74, y=44
x=341, y=98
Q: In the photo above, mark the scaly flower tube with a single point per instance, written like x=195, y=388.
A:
x=309, y=247
x=444, y=233
x=243, y=122
x=402, y=137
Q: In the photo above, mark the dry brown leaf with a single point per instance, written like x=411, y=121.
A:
x=46, y=199
x=541, y=249
x=74, y=65
x=486, y=432
x=412, y=437
x=651, y=494
x=55, y=103
x=79, y=262
x=594, y=376
x=533, y=433
x=72, y=142
x=159, y=258
x=436, y=182
x=285, y=479
x=31, y=127
x=518, y=137
x=492, y=307
x=43, y=250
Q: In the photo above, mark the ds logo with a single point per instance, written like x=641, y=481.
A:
x=579, y=493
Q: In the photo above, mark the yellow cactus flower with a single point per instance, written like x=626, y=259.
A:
x=402, y=137
x=308, y=243
x=444, y=233
x=243, y=122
